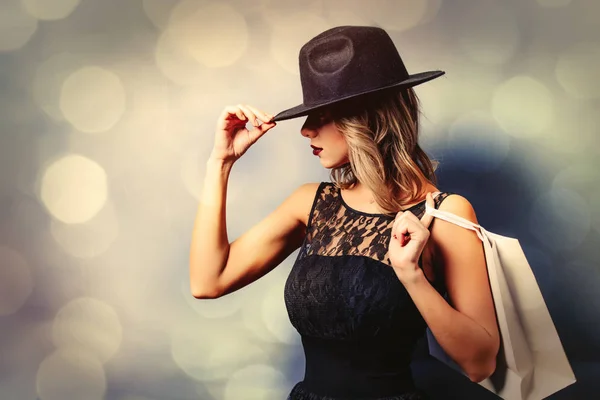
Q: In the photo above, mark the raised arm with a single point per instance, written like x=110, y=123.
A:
x=218, y=267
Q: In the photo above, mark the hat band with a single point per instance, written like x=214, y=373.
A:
x=322, y=95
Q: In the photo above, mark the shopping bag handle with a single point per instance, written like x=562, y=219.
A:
x=455, y=219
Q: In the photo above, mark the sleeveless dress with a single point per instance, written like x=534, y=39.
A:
x=357, y=323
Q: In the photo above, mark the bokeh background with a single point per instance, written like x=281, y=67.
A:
x=107, y=115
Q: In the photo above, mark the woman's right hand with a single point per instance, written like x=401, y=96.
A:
x=232, y=139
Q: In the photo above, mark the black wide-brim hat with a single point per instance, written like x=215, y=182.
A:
x=350, y=61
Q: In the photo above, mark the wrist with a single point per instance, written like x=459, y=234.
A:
x=414, y=277
x=219, y=163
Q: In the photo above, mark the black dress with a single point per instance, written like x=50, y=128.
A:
x=357, y=322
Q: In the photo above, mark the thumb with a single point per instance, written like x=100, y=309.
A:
x=428, y=218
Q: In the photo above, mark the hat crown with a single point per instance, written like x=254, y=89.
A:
x=348, y=60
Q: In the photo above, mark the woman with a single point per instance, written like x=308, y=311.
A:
x=373, y=267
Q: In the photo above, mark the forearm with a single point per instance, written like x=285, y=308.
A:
x=463, y=339
x=210, y=245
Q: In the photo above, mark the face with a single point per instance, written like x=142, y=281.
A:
x=321, y=131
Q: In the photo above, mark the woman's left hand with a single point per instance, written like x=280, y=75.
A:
x=408, y=239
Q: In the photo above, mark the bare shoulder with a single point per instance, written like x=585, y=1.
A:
x=443, y=231
x=459, y=205
x=302, y=200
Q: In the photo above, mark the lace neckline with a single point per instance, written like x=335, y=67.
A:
x=353, y=210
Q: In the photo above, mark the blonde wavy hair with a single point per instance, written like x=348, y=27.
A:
x=382, y=132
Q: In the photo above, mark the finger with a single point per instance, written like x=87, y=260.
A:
x=415, y=225
x=428, y=218
x=261, y=114
x=233, y=111
x=231, y=116
x=260, y=130
x=403, y=232
x=397, y=230
x=251, y=116
x=395, y=224
x=411, y=223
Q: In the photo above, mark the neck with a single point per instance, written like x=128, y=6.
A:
x=363, y=192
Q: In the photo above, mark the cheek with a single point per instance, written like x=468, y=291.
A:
x=341, y=147
x=339, y=154
x=339, y=140
x=335, y=143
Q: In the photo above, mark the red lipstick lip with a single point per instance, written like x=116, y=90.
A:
x=316, y=148
x=316, y=151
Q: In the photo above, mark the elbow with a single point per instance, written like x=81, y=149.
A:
x=204, y=295
x=482, y=371
x=204, y=291
x=201, y=289
x=483, y=365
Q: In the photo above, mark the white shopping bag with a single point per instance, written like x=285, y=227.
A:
x=531, y=363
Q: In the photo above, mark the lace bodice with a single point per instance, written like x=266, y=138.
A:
x=335, y=229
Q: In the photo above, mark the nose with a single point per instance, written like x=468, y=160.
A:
x=308, y=130
x=308, y=133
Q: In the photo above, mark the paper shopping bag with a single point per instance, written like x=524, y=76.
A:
x=531, y=363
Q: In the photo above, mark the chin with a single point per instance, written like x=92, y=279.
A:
x=328, y=164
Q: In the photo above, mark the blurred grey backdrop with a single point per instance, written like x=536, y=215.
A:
x=108, y=110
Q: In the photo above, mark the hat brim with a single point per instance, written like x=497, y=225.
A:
x=302, y=109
